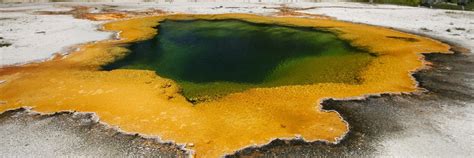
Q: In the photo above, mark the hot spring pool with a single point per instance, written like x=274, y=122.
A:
x=212, y=58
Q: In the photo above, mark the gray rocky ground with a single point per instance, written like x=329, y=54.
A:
x=27, y=134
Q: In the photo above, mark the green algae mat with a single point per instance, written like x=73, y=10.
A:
x=213, y=58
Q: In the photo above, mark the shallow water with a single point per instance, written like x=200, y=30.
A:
x=215, y=58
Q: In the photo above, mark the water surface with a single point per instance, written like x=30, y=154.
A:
x=209, y=59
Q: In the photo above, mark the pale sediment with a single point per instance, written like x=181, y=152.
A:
x=29, y=134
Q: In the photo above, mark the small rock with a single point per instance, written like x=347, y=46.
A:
x=425, y=29
x=4, y=44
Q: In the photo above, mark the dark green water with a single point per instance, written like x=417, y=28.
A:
x=214, y=58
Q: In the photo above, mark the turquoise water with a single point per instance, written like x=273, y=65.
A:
x=209, y=59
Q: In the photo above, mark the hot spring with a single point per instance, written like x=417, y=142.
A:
x=213, y=58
